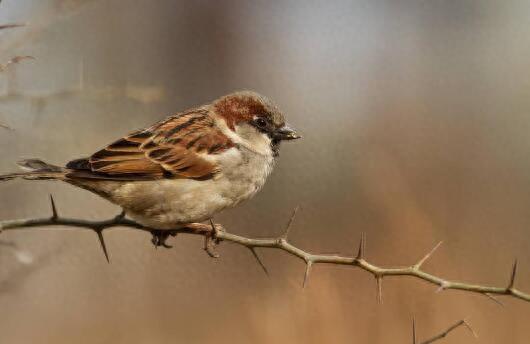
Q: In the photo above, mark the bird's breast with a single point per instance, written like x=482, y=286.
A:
x=244, y=172
x=169, y=202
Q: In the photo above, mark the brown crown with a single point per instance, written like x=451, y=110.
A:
x=242, y=106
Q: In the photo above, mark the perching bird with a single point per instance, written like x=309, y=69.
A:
x=185, y=168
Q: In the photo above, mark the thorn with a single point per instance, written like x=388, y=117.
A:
x=379, y=282
x=494, y=299
x=468, y=326
x=102, y=242
x=512, y=277
x=160, y=238
x=362, y=247
x=121, y=215
x=308, y=266
x=413, y=330
x=260, y=262
x=443, y=286
x=290, y=223
x=55, y=215
x=427, y=256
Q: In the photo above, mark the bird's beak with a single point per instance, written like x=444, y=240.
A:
x=286, y=133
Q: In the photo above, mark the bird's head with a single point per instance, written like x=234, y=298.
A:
x=254, y=119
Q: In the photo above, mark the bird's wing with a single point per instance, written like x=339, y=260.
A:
x=177, y=147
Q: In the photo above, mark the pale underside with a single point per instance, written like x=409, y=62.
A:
x=169, y=203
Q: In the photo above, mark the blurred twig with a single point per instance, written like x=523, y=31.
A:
x=14, y=60
x=11, y=25
x=22, y=256
x=443, y=334
x=214, y=234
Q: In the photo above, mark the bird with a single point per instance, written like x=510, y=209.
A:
x=184, y=169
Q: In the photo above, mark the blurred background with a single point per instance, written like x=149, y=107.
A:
x=415, y=117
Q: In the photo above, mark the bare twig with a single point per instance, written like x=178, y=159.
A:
x=442, y=334
x=11, y=25
x=217, y=235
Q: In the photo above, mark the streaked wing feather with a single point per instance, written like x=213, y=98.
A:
x=173, y=147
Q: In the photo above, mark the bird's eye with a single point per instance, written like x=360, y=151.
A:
x=260, y=122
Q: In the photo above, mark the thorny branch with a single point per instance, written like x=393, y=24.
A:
x=443, y=334
x=215, y=234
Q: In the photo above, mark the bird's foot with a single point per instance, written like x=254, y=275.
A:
x=210, y=232
x=160, y=237
x=211, y=239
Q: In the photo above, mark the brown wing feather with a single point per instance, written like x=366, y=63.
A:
x=171, y=148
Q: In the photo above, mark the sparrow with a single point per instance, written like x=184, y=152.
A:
x=185, y=168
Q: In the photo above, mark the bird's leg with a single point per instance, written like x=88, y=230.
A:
x=209, y=231
x=160, y=237
x=198, y=228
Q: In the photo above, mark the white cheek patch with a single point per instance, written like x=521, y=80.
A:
x=260, y=142
x=247, y=136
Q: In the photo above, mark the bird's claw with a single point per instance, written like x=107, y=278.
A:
x=160, y=237
x=211, y=240
x=209, y=246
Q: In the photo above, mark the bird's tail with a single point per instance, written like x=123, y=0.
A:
x=35, y=169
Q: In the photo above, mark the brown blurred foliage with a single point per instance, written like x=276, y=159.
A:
x=415, y=118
